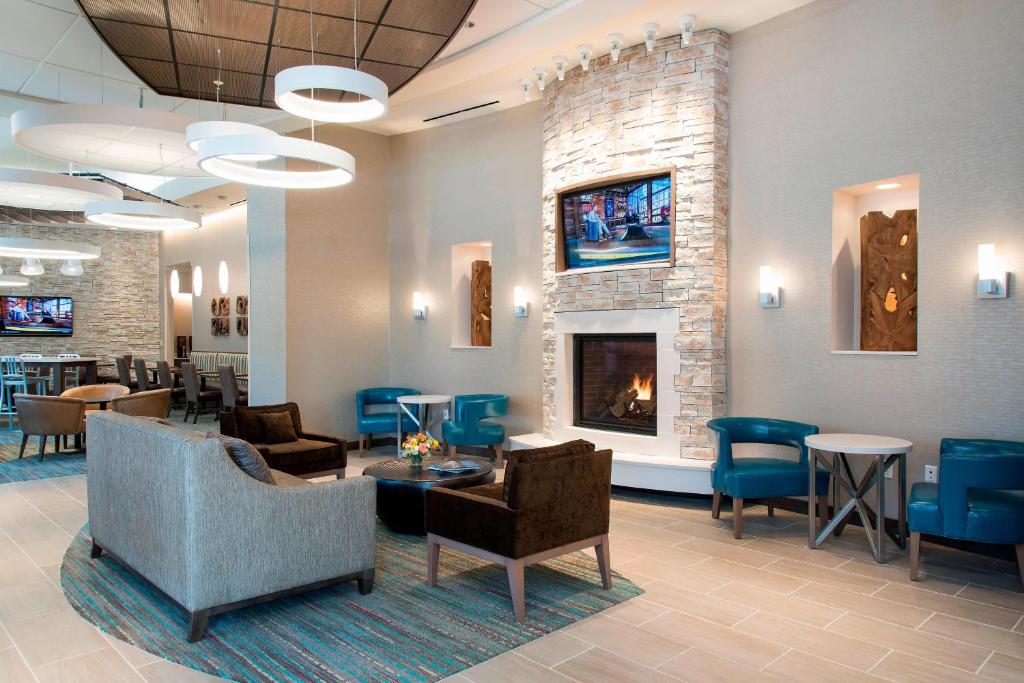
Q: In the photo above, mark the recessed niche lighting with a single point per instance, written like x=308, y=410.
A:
x=887, y=186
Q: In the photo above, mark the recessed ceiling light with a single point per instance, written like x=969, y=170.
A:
x=887, y=186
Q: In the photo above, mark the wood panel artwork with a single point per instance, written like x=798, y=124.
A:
x=888, y=281
x=480, y=303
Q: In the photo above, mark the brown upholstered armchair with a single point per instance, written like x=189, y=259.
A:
x=46, y=416
x=152, y=403
x=553, y=501
x=309, y=455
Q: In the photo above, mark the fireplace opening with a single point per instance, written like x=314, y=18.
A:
x=615, y=382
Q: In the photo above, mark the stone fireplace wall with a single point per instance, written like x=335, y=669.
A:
x=649, y=111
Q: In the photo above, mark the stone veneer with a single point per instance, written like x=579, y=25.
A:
x=648, y=111
x=116, y=301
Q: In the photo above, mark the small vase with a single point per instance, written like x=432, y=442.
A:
x=415, y=460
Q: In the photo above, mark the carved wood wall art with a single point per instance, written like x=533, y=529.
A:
x=888, y=281
x=480, y=293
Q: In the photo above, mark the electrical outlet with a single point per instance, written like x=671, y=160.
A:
x=444, y=416
x=931, y=473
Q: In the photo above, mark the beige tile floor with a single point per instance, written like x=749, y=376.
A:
x=764, y=608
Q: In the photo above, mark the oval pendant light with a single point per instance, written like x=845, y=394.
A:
x=372, y=91
x=222, y=277
x=197, y=281
x=204, y=130
x=136, y=215
x=58, y=250
x=216, y=157
x=175, y=283
x=51, y=191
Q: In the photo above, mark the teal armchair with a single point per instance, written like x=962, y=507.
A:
x=469, y=427
x=369, y=423
x=979, y=497
x=761, y=477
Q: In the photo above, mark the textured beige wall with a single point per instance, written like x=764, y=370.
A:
x=465, y=182
x=838, y=93
x=337, y=286
x=116, y=301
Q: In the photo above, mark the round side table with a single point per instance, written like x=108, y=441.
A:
x=423, y=402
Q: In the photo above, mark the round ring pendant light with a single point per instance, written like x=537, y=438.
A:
x=204, y=130
x=218, y=155
x=24, y=248
x=135, y=215
x=51, y=191
x=372, y=93
x=13, y=281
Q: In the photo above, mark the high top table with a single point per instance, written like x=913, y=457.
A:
x=58, y=365
x=882, y=451
x=422, y=418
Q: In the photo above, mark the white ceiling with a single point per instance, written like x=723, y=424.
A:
x=49, y=52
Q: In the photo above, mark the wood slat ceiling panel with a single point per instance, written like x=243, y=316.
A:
x=172, y=44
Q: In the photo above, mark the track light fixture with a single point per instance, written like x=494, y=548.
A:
x=650, y=34
x=525, y=84
x=539, y=75
x=586, y=52
x=687, y=23
x=561, y=61
x=616, y=42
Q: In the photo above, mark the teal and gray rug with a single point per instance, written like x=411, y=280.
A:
x=403, y=631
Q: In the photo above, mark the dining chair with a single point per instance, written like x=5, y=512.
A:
x=124, y=372
x=979, y=497
x=152, y=403
x=46, y=416
x=757, y=476
x=197, y=398
x=469, y=428
x=163, y=369
x=17, y=380
x=72, y=376
x=231, y=395
x=376, y=410
x=35, y=372
x=142, y=376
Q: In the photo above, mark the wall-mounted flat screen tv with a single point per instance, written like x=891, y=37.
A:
x=628, y=221
x=36, y=316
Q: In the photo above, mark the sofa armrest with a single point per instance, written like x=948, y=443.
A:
x=253, y=539
x=316, y=436
x=479, y=521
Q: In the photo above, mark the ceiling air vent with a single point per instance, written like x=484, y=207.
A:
x=460, y=111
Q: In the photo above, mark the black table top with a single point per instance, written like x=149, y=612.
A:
x=401, y=471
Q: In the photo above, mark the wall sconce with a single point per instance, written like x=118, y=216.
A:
x=615, y=40
x=769, y=288
x=520, y=304
x=561, y=61
x=539, y=74
x=686, y=23
x=175, y=283
x=419, y=306
x=197, y=281
x=650, y=35
x=991, y=276
x=222, y=277
x=586, y=52
x=525, y=85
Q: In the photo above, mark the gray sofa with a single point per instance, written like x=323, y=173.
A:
x=171, y=505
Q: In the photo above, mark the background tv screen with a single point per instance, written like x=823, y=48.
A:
x=36, y=316
x=627, y=222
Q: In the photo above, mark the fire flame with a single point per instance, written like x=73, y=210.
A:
x=643, y=387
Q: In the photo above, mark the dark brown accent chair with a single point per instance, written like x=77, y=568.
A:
x=232, y=397
x=311, y=455
x=553, y=501
x=197, y=399
x=124, y=372
x=142, y=375
x=163, y=369
x=153, y=403
x=46, y=416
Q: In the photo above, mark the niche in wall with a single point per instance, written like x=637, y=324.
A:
x=874, y=266
x=471, y=295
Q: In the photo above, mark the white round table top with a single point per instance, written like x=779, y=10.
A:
x=421, y=399
x=861, y=444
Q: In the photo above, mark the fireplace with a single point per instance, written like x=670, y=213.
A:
x=615, y=382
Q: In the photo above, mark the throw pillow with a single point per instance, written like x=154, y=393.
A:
x=278, y=428
x=245, y=455
x=542, y=453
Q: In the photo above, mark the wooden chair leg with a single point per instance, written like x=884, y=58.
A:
x=362, y=448
x=24, y=442
x=197, y=625
x=95, y=551
x=433, y=556
x=365, y=582
x=771, y=510
x=499, y=455
x=716, y=505
x=823, y=511
x=604, y=561
x=915, y=555
x=516, y=581
x=1020, y=562
x=737, y=518
x=42, y=447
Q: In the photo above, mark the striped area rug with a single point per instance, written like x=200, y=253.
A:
x=403, y=631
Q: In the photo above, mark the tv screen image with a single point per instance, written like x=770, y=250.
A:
x=619, y=223
x=36, y=316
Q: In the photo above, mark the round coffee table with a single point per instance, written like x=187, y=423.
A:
x=402, y=489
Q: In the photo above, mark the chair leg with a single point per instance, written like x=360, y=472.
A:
x=96, y=550
x=197, y=624
x=362, y=449
x=365, y=582
x=604, y=561
x=716, y=505
x=24, y=442
x=737, y=518
x=915, y=555
x=516, y=580
x=1020, y=562
x=499, y=455
x=188, y=409
x=771, y=510
x=823, y=511
x=451, y=452
x=433, y=556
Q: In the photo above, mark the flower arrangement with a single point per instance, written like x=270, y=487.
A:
x=418, y=446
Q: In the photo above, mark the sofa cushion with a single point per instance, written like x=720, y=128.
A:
x=535, y=454
x=287, y=455
x=289, y=481
x=278, y=428
x=246, y=456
